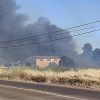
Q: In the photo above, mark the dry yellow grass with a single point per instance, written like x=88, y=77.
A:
x=81, y=77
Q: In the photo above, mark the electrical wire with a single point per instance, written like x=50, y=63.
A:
x=51, y=40
x=31, y=37
x=49, y=35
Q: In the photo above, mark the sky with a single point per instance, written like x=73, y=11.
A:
x=66, y=14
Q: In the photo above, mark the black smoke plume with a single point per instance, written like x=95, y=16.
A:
x=13, y=26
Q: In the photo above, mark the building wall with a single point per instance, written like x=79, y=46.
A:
x=45, y=62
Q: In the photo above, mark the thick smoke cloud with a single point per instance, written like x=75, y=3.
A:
x=13, y=26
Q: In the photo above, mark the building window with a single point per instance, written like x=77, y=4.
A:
x=48, y=59
x=41, y=59
x=55, y=59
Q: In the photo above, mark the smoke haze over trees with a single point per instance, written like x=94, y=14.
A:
x=92, y=57
x=66, y=62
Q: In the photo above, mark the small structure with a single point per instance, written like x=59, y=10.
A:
x=42, y=61
x=11, y=64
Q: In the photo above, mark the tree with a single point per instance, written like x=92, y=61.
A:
x=66, y=62
x=96, y=55
x=87, y=50
x=52, y=64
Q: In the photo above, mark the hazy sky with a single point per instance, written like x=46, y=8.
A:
x=65, y=14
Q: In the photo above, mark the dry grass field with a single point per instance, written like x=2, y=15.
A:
x=89, y=77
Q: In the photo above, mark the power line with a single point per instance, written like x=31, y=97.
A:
x=51, y=35
x=52, y=39
x=48, y=33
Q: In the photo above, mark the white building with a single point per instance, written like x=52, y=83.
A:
x=42, y=61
